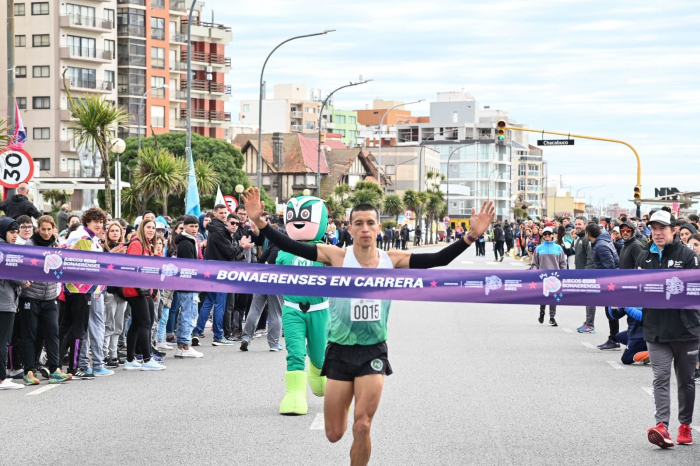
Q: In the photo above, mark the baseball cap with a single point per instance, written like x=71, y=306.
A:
x=662, y=218
x=616, y=229
x=161, y=226
x=629, y=224
x=549, y=224
x=548, y=230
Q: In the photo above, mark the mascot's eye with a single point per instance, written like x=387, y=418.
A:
x=290, y=215
x=305, y=214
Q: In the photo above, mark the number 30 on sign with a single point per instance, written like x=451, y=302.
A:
x=16, y=166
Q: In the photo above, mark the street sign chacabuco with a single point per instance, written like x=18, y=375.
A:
x=555, y=142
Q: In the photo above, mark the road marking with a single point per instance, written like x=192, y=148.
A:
x=318, y=423
x=41, y=390
x=587, y=345
x=516, y=263
x=615, y=365
x=492, y=263
x=467, y=262
x=649, y=390
x=568, y=330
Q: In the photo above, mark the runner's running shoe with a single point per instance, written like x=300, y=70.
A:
x=29, y=379
x=553, y=322
x=222, y=342
x=276, y=348
x=541, y=319
x=685, y=435
x=8, y=384
x=152, y=365
x=82, y=374
x=44, y=371
x=586, y=329
x=610, y=345
x=642, y=356
x=659, y=436
x=132, y=366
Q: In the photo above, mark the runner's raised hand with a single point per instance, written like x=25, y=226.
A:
x=479, y=223
x=254, y=206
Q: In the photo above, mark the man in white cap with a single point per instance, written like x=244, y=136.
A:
x=672, y=335
x=548, y=256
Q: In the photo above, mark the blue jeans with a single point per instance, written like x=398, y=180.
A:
x=188, y=313
x=218, y=302
x=174, y=306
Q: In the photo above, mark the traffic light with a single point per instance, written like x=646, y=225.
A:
x=637, y=193
x=500, y=130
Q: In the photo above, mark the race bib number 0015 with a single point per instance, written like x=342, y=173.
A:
x=365, y=310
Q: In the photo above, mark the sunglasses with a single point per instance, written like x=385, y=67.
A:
x=623, y=230
x=235, y=223
x=547, y=234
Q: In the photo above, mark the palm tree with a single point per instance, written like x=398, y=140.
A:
x=55, y=196
x=95, y=127
x=207, y=177
x=367, y=192
x=519, y=212
x=341, y=190
x=4, y=136
x=393, y=205
x=435, y=203
x=159, y=172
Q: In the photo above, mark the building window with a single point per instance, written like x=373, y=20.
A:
x=19, y=9
x=352, y=120
x=158, y=116
x=40, y=40
x=158, y=82
x=390, y=169
x=110, y=77
x=20, y=41
x=310, y=110
x=109, y=16
x=158, y=4
x=41, y=103
x=455, y=117
x=340, y=131
x=521, y=169
x=298, y=179
x=266, y=180
x=42, y=133
x=158, y=58
x=73, y=166
x=340, y=119
x=22, y=103
x=44, y=164
x=309, y=125
x=111, y=47
x=521, y=185
x=40, y=71
x=82, y=77
x=40, y=8
x=246, y=108
x=81, y=15
x=157, y=28
x=20, y=71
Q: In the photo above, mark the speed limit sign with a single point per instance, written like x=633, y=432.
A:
x=408, y=214
x=16, y=166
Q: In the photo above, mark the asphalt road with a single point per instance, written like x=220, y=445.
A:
x=472, y=384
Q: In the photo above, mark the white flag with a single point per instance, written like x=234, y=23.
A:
x=219, y=197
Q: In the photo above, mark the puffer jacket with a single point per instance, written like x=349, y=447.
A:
x=42, y=291
x=604, y=253
x=9, y=289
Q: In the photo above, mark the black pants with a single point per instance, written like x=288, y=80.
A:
x=7, y=321
x=614, y=327
x=480, y=248
x=240, y=309
x=403, y=243
x=15, y=348
x=417, y=240
x=139, y=334
x=74, y=321
x=498, y=248
x=387, y=244
x=509, y=245
x=228, y=315
x=39, y=317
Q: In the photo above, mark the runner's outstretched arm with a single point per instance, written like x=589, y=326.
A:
x=478, y=225
x=322, y=253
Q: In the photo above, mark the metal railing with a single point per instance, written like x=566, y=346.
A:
x=129, y=30
x=296, y=114
x=78, y=20
x=158, y=34
x=204, y=57
x=207, y=86
x=533, y=173
x=87, y=52
x=131, y=89
x=177, y=66
x=196, y=22
x=178, y=36
x=94, y=84
x=533, y=188
x=135, y=60
x=201, y=114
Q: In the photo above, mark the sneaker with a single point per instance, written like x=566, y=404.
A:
x=8, y=384
x=585, y=328
x=259, y=333
x=238, y=337
x=697, y=376
x=112, y=363
x=553, y=322
x=139, y=357
x=44, y=371
x=541, y=319
x=132, y=366
x=152, y=365
x=244, y=345
x=230, y=338
x=102, y=372
x=501, y=259
x=190, y=353
x=89, y=371
x=29, y=379
x=276, y=348
x=171, y=339
x=642, y=356
x=197, y=334
x=178, y=352
x=685, y=435
x=17, y=374
x=59, y=377
x=163, y=346
x=610, y=345
x=195, y=341
x=659, y=436
x=155, y=351
x=157, y=357
x=82, y=374
x=222, y=342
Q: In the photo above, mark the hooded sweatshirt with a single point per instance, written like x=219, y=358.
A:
x=9, y=289
x=604, y=253
x=18, y=205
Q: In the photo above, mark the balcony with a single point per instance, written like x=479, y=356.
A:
x=65, y=115
x=124, y=30
x=533, y=188
x=86, y=54
x=87, y=85
x=208, y=58
x=132, y=60
x=207, y=86
x=177, y=124
x=177, y=94
x=296, y=127
x=178, y=5
x=158, y=34
x=196, y=22
x=211, y=31
x=68, y=146
x=136, y=90
x=86, y=23
x=534, y=173
x=296, y=114
x=132, y=2
x=178, y=37
x=207, y=115
x=177, y=66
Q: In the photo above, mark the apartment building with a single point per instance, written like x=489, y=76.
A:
x=343, y=122
x=78, y=37
x=369, y=132
x=291, y=110
x=152, y=51
x=531, y=180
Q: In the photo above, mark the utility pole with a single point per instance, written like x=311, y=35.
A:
x=188, y=136
x=11, y=65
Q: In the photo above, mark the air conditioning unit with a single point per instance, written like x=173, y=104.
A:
x=209, y=69
x=209, y=77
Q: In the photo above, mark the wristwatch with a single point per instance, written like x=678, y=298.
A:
x=471, y=238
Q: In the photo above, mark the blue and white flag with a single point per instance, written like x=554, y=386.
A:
x=192, y=203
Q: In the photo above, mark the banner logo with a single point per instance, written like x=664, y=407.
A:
x=492, y=283
x=552, y=284
x=168, y=270
x=53, y=262
x=673, y=286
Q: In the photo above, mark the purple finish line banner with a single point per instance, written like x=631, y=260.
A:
x=675, y=289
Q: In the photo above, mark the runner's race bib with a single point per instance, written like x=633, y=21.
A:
x=365, y=310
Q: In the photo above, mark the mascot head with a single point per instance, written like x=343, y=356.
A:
x=306, y=218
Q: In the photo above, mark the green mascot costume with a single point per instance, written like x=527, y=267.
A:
x=304, y=318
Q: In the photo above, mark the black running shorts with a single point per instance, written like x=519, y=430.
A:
x=345, y=362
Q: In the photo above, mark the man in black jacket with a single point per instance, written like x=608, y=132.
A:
x=220, y=247
x=672, y=335
x=240, y=302
x=508, y=235
x=584, y=260
x=605, y=258
x=405, y=232
x=186, y=245
x=631, y=247
x=388, y=238
x=19, y=204
x=498, y=241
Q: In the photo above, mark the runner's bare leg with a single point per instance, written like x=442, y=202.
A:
x=368, y=393
x=336, y=402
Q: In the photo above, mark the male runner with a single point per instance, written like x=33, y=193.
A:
x=357, y=357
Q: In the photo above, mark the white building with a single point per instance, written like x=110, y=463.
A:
x=291, y=110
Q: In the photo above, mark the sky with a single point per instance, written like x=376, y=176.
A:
x=618, y=69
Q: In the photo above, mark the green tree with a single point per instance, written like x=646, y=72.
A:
x=158, y=172
x=4, y=136
x=207, y=177
x=519, y=212
x=435, y=204
x=95, y=126
x=393, y=205
x=367, y=192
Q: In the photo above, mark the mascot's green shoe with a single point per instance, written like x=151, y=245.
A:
x=316, y=382
x=294, y=402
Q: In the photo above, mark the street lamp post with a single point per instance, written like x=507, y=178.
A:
x=239, y=189
x=138, y=116
x=188, y=138
x=262, y=72
x=320, y=115
x=420, y=154
x=117, y=147
x=488, y=187
x=600, y=203
x=448, y=171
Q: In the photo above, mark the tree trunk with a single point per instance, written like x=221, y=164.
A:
x=165, y=204
x=108, y=186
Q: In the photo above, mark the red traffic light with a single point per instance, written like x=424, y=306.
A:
x=501, y=124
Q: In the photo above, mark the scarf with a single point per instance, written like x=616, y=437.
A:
x=39, y=241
